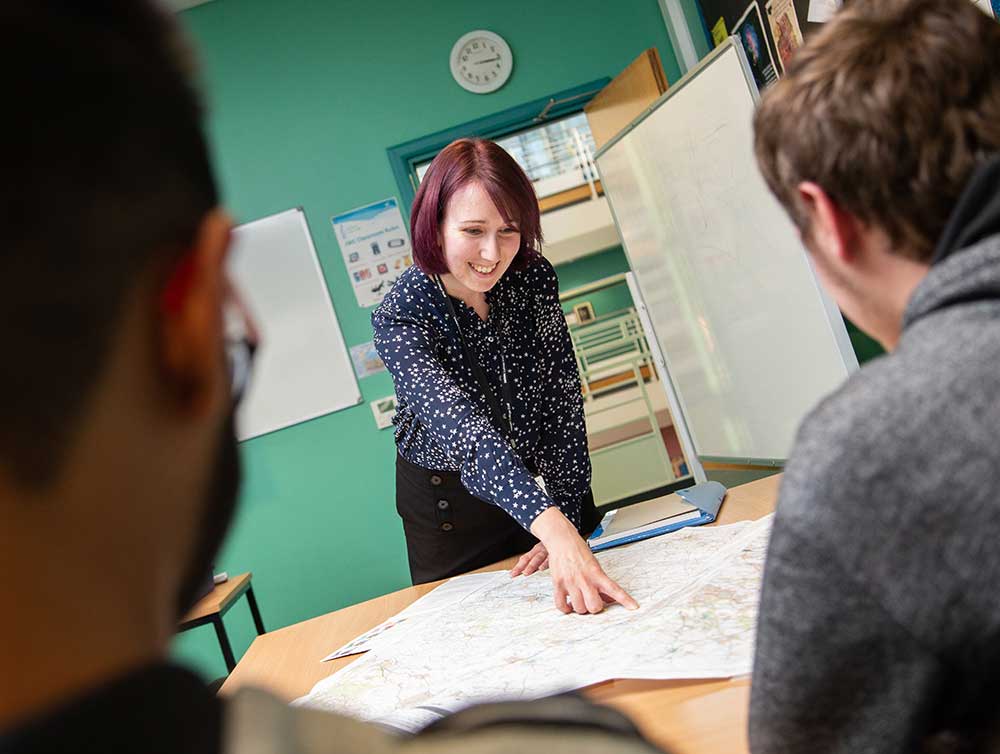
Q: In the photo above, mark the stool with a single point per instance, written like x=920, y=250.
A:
x=215, y=604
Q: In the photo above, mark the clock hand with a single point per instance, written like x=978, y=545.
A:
x=490, y=60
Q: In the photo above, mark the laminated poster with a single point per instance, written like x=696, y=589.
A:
x=785, y=30
x=376, y=248
x=750, y=30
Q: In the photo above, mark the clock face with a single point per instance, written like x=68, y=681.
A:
x=481, y=62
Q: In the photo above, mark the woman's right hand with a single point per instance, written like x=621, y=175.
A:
x=579, y=583
x=537, y=559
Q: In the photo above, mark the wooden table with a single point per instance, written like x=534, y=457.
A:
x=703, y=717
x=214, y=605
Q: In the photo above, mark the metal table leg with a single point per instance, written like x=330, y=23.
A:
x=227, y=649
x=255, y=611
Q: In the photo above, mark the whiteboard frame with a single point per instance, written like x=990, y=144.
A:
x=357, y=398
x=833, y=315
x=676, y=413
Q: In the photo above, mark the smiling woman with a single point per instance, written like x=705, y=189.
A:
x=488, y=388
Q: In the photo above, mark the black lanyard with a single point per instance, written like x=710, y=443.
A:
x=504, y=421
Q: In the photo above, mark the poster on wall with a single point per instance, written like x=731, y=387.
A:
x=750, y=30
x=719, y=34
x=821, y=11
x=366, y=360
x=384, y=409
x=785, y=30
x=376, y=248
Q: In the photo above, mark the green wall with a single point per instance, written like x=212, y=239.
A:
x=604, y=301
x=590, y=269
x=305, y=96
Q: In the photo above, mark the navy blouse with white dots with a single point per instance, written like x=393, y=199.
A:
x=443, y=419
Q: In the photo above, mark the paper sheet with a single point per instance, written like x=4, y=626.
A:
x=449, y=593
x=821, y=11
x=987, y=7
x=415, y=719
x=697, y=588
x=719, y=33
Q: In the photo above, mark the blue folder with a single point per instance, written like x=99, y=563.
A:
x=706, y=497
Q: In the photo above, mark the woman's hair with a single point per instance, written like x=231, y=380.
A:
x=473, y=161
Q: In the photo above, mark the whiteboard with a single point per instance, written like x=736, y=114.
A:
x=750, y=341
x=301, y=369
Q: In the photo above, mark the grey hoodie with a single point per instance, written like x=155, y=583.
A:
x=879, y=622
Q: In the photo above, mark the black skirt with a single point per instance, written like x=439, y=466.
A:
x=450, y=532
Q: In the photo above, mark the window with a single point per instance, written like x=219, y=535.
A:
x=549, y=138
x=558, y=157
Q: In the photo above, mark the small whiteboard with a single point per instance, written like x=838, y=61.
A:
x=301, y=369
x=750, y=341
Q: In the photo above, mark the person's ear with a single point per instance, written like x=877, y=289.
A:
x=191, y=333
x=832, y=231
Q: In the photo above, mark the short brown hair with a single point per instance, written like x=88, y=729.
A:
x=473, y=161
x=889, y=109
x=109, y=129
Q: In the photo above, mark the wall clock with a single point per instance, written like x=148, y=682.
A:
x=481, y=61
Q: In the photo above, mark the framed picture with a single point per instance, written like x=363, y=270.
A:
x=384, y=409
x=366, y=360
x=584, y=312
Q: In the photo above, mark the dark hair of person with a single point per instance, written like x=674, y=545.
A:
x=106, y=180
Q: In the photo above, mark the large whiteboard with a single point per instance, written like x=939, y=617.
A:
x=750, y=341
x=302, y=368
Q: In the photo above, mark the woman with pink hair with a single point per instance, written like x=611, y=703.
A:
x=492, y=447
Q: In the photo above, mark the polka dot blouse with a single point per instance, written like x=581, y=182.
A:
x=443, y=419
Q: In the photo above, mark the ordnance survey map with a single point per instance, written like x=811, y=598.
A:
x=502, y=638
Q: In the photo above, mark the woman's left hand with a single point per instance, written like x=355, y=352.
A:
x=537, y=559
